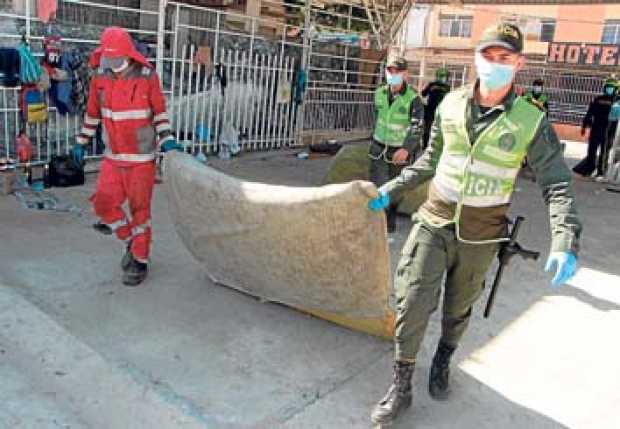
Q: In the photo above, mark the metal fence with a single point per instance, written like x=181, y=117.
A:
x=248, y=99
x=570, y=90
x=341, y=109
x=340, y=79
x=79, y=23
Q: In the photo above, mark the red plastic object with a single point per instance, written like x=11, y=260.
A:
x=24, y=148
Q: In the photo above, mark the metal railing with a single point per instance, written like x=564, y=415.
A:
x=339, y=109
x=332, y=68
x=569, y=90
x=262, y=56
x=340, y=83
x=79, y=23
x=246, y=97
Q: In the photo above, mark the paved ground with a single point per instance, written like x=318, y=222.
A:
x=78, y=350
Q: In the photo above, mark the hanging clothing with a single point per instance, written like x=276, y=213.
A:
x=64, y=88
x=81, y=76
x=10, y=66
x=301, y=80
x=61, y=87
x=46, y=10
x=29, y=69
x=52, y=50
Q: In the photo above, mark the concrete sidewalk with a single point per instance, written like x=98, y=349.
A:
x=79, y=350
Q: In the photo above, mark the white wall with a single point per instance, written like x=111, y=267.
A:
x=414, y=28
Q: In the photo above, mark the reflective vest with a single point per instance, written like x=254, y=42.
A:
x=482, y=175
x=393, y=120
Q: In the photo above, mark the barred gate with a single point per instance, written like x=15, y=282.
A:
x=339, y=109
x=79, y=23
x=261, y=54
x=339, y=84
x=246, y=97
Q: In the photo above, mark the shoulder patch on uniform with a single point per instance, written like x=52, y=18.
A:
x=146, y=71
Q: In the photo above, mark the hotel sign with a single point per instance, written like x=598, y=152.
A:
x=591, y=54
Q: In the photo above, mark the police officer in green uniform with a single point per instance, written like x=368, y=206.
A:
x=537, y=97
x=479, y=138
x=398, y=129
x=597, y=119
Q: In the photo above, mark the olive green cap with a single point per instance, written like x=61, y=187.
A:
x=503, y=35
x=399, y=63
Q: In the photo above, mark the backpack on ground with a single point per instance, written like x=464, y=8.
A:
x=64, y=172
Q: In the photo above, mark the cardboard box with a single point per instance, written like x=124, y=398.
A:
x=7, y=180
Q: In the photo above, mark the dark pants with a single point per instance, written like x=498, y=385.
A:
x=430, y=254
x=593, y=162
x=381, y=172
x=428, y=123
x=601, y=165
x=587, y=165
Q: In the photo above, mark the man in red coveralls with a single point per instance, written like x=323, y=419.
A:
x=126, y=98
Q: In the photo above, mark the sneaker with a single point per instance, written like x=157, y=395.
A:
x=102, y=228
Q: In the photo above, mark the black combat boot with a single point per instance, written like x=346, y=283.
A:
x=398, y=397
x=135, y=273
x=438, y=381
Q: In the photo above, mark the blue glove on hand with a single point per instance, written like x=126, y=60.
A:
x=77, y=154
x=379, y=203
x=566, y=265
x=171, y=144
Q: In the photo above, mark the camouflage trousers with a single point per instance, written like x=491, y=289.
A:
x=429, y=253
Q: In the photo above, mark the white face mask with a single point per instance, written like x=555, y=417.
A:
x=121, y=67
x=493, y=75
x=395, y=79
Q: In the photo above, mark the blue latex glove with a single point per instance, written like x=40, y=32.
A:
x=171, y=144
x=77, y=154
x=379, y=203
x=566, y=265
